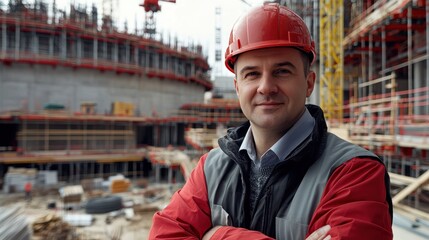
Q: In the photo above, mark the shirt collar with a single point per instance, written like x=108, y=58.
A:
x=248, y=145
x=287, y=143
x=294, y=136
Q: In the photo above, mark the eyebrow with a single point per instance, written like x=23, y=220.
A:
x=247, y=68
x=286, y=63
x=281, y=64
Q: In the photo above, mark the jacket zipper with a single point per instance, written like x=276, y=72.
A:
x=267, y=208
x=243, y=214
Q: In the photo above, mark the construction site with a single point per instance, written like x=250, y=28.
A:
x=105, y=124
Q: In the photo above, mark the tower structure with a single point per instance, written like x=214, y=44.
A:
x=151, y=7
x=331, y=59
x=218, y=41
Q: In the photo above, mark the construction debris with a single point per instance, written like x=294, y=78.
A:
x=51, y=226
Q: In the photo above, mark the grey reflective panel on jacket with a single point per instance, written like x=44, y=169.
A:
x=309, y=193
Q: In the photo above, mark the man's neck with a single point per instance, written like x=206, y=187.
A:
x=264, y=140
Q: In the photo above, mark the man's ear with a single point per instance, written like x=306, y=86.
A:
x=236, y=86
x=311, y=80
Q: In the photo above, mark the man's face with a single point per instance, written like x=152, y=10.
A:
x=272, y=87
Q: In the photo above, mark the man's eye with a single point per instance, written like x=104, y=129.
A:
x=250, y=74
x=282, y=71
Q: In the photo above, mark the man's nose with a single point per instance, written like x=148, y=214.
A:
x=267, y=85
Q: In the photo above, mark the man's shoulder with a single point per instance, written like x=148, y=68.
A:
x=217, y=159
x=335, y=143
x=337, y=151
x=216, y=154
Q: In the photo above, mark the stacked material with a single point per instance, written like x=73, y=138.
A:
x=119, y=184
x=52, y=227
x=93, y=187
x=201, y=138
x=13, y=225
x=16, y=178
x=71, y=195
x=92, y=184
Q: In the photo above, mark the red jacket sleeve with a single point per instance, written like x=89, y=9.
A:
x=354, y=202
x=187, y=216
x=234, y=233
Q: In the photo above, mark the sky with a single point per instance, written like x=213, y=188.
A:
x=192, y=21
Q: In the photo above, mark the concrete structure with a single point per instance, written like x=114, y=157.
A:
x=224, y=87
x=69, y=60
x=79, y=97
x=29, y=88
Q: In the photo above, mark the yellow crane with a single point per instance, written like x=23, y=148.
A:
x=331, y=59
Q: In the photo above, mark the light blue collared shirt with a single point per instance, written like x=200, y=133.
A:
x=284, y=146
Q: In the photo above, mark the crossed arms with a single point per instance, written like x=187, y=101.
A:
x=351, y=204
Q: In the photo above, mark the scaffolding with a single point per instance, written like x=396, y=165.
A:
x=374, y=90
x=386, y=63
x=83, y=145
x=386, y=105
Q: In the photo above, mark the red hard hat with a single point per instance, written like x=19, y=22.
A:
x=270, y=25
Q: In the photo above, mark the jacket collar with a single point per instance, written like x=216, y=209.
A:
x=231, y=142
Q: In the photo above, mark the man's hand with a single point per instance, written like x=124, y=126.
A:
x=210, y=233
x=320, y=234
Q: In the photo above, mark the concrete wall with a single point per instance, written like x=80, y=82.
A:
x=224, y=85
x=31, y=87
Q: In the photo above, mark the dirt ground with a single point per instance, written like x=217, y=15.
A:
x=134, y=228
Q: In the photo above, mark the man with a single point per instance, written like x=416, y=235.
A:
x=27, y=188
x=281, y=175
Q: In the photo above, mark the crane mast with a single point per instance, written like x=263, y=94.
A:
x=331, y=59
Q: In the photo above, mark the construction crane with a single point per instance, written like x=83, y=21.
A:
x=331, y=59
x=151, y=7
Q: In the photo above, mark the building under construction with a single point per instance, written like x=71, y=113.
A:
x=75, y=93
x=386, y=90
x=375, y=89
x=86, y=100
